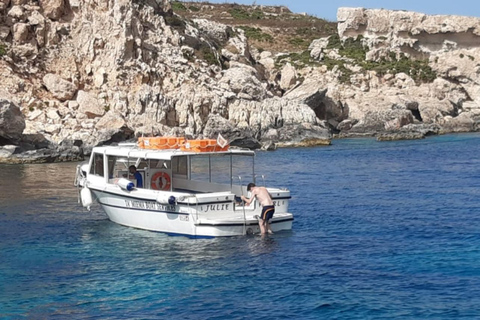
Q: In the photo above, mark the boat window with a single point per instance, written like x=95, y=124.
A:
x=111, y=166
x=118, y=166
x=220, y=168
x=243, y=166
x=140, y=164
x=97, y=165
x=199, y=168
x=159, y=164
x=179, y=167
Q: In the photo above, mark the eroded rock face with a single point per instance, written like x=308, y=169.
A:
x=450, y=44
x=53, y=9
x=97, y=72
x=12, y=121
x=243, y=81
x=89, y=105
x=409, y=32
x=4, y=4
x=132, y=72
x=288, y=77
x=61, y=89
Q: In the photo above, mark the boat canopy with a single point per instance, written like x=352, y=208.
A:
x=132, y=151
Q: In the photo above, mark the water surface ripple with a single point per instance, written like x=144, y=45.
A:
x=381, y=230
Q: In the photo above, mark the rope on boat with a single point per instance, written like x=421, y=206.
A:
x=76, y=182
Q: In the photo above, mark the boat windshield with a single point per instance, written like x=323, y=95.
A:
x=117, y=166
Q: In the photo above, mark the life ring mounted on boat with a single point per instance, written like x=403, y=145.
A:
x=161, y=181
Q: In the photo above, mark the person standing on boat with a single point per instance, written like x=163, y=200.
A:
x=268, y=209
x=136, y=175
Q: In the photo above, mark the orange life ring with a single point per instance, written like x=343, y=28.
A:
x=161, y=181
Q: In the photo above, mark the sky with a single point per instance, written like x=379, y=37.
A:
x=328, y=9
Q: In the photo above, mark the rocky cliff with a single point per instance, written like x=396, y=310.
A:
x=448, y=97
x=78, y=73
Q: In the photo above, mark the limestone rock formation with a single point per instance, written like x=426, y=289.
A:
x=53, y=9
x=12, y=121
x=79, y=73
x=61, y=89
x=444, y=48
x=89, y=105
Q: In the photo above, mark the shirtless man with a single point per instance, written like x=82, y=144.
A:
x=268, y=209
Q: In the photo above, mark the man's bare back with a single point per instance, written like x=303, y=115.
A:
x=262, y=195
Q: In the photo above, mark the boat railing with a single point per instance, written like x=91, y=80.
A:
x=263, y=178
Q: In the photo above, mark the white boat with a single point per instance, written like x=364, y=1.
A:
x=186, y=190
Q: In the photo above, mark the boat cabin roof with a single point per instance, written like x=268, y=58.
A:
x=132, y=150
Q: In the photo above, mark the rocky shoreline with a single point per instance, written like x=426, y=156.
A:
x=81, y=73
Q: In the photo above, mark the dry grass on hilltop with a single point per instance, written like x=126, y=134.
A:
x=272, y=28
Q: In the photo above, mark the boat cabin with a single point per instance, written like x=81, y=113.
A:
x=174, y=170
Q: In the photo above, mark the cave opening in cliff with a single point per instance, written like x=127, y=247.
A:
x=416, y=114
x=4, y=141
x=321, y=111
x=328, y=110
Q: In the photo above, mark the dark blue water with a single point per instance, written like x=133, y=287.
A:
x=382, y=230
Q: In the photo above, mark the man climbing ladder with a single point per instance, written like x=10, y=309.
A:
x=268, y=209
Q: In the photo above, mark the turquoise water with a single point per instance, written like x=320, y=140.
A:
x=381, y=230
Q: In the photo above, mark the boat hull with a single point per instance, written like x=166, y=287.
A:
x=183, y=219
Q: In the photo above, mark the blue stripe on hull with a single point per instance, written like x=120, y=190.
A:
x=138, y=209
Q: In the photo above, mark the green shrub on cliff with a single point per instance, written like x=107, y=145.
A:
x=242, y=14
x=299, y=42
x=334, y=42
x=419, y=70
x=345, y=73
x=176, y=22
x=194, y=8
x=3, y=50
x=256, y=34
x=350, y=48
x=178, y=6
x=298, y=59
x=208, y=54
x=354, y=49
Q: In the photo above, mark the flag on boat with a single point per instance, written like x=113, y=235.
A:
x=221, y=141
